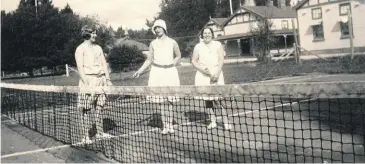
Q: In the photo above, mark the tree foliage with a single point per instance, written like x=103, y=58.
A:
x=263, y=38
x=125, y=58
x=32, y=39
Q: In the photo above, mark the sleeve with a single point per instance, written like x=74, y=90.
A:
x=78, y=51
x=196, y=49
x=218, y=44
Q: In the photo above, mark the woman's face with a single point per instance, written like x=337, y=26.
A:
x=207, y=35
x=159, y=31
x=93, y=36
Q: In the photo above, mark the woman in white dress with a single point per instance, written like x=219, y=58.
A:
x=93, y=72
x=163, y=71
x=208, y=59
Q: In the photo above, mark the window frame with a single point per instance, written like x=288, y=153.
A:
x=287, y=24
x=317, y=8
x=315, y=38
x=341, y=5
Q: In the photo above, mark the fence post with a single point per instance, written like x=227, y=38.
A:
x=67, y=72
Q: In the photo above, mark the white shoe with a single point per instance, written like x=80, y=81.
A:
x=167, y=130
x=103, y=135
x=212, y=125
x=227, y=126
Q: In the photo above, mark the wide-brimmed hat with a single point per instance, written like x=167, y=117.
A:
x=159, y=23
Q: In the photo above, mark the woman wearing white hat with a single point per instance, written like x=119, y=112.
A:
x=163, y=71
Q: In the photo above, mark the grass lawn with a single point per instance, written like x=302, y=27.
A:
x=234, y=73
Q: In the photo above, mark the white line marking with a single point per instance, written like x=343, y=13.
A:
x=140, y=132
x=294, y=79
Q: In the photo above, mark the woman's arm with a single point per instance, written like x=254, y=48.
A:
x=105, y=67
x=195, y=62
x=216, y=74
x=147, y=63
x=220, y=60
x=79, y=57
x=177, y=53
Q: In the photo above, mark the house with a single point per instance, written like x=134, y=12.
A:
x=238, y=36
x=126, y=41
x=324, y=25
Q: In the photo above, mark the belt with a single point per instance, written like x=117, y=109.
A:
x=97, y=75
x=163, y=66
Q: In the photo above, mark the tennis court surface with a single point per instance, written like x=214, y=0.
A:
x=300, y=119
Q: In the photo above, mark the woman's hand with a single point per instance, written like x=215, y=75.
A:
x=206, y=71
x=214, y=78
x=137, y=74
x=109, y=83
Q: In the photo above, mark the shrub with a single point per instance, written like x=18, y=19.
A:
x=125, y=58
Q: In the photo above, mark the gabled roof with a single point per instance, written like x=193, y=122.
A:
x=131, y=43
x=266, y=12
x=272, y=11
x=300, y=4
x=219, y=21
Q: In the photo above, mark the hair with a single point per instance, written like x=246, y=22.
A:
x=162, y=28
x=86, y=31
x=211, y=30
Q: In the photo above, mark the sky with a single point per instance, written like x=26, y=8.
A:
x=127, y=13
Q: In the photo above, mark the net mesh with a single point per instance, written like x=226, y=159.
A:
x=291, y=122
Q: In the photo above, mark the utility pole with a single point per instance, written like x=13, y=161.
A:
x=230, y=5
x=36, y=8
x=349, y=14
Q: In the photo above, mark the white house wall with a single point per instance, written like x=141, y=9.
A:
x=331, y=25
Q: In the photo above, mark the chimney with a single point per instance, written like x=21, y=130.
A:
x=126, y=34
x=281, y=4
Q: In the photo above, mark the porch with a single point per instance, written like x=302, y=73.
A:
x=242, y=44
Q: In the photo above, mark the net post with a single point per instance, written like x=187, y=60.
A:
x=35, y=113
x=67, y=71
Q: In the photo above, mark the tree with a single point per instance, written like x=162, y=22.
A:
x=48, y=38
x=263, y=37
x=185, y=18
x=125, y=58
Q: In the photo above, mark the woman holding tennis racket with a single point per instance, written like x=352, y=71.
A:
x=163, y=71
x=208, y=57
x=93, y=72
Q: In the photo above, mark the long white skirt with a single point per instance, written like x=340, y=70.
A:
x=91, y=100
x=163, y=77
x=204, y=80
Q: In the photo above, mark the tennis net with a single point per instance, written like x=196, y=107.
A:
x=286, y=122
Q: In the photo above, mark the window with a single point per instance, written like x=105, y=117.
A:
x=284, y=24
x=317, y=13
x=252, y=18
x=239, y=18
x=234, y=20
x=318, y=32
x=344, y=29
x=246, y=17
x=344, y=8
